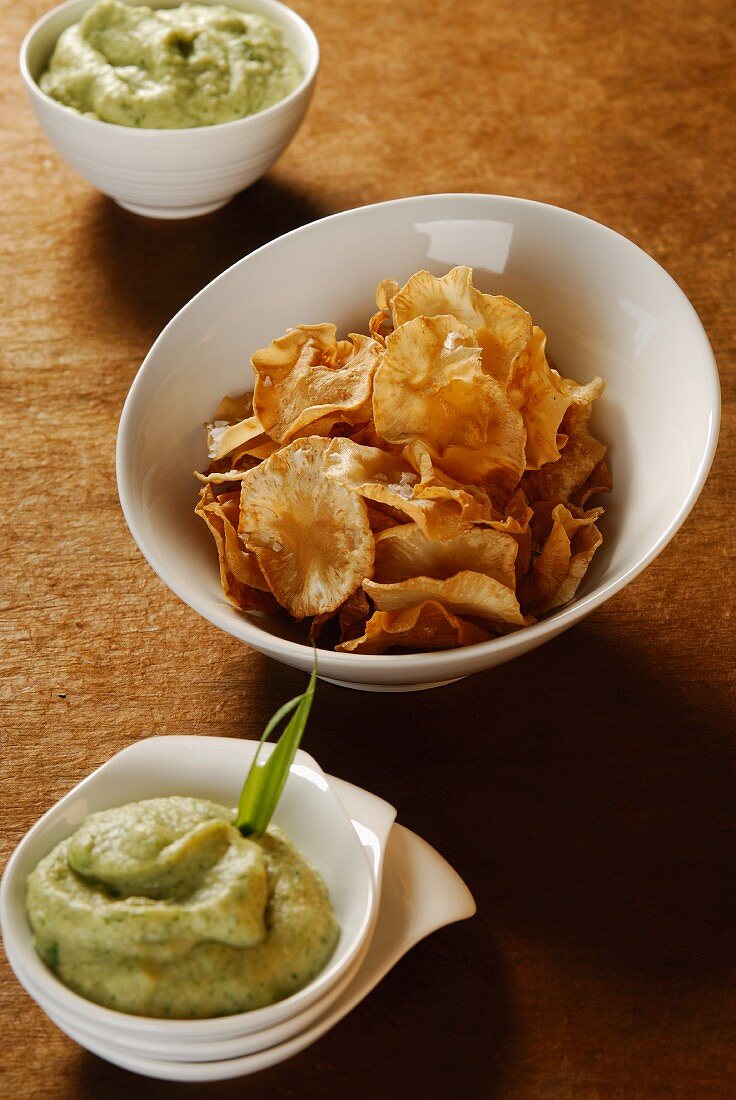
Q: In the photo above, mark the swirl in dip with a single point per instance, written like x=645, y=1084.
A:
x=168, y=68
x=162, y=908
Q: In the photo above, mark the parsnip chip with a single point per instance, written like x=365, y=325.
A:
x=541, y=397
x=220, y=477
x=349, y=619
x=310, y=535
x=467, y=593
x=233, y=409
x=599, y=482
x=431, y=386
x=240, y=576
x=420, y=487
x=404, y=552
x=515, y=523
x=427, y=626
x=500, y=326
x=569, y=539
x=307, y=375
x=561, y=480
x=473, y=504
x=223, y=438
x=388, y=480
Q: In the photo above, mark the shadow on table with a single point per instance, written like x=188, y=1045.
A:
x=154, y=267
x=586, y=800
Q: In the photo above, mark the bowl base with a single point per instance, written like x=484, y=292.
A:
x=171, y=213
x=390, y=687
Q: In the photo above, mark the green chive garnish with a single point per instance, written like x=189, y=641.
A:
x=265, y=782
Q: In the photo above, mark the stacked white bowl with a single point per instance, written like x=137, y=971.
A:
x=309, y=812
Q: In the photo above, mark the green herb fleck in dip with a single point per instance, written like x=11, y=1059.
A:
x=163, y=908
x=194, y=65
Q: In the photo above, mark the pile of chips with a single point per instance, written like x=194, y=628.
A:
x=421, y=487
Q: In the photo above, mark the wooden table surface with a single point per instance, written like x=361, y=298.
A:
x=586, y=791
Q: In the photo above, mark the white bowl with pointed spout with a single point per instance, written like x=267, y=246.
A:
x=212, y=768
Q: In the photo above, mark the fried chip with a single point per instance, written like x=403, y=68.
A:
x=500, y=326
x=429, y=625
x=349, y=618
x=240, y=576
x=568, y=539
x=542, y=398
x=431, y=386
x=600, y=481
x=467, y=593
x=404, y=552
x=223, y=437
x=473, y=504
x=516, y=523
x=562, y=480
x=420, y=487
x=310, y=535
x=233, y=409
x=387, y=480
x=307, y=375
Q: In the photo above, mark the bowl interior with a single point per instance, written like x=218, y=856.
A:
x=41, y=40
x=606, y=306
x=212, y=768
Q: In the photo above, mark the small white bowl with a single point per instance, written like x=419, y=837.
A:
x=170, y=173
x=212, y=768
x=607, y=307
x=416, y=892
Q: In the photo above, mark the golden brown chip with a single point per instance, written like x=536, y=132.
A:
x=233, y=409
x=223, y=437
x=472, y=503
x=240, y=576
x=310, y=534
x=431, y=386
x=500, y=326
x=516, y=523
x=221, y=477
x=467, y=593
x=599, y=482
x=568, y=538
x=541, y=397
x=426, y=626
x=386, y=479
x=404, y=552
x=561, y=480
x=307, y=375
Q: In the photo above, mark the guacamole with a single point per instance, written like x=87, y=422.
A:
x=194, y=65
x=162, y=908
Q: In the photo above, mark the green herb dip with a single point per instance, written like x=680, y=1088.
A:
x=194, y=65
x=161, y=908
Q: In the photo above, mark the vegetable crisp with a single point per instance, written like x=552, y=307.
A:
x=422, y=487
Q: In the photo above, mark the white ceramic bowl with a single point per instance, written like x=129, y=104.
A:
x=170, y=173
x=210, y=768
x=607, y=307
x=416, y=892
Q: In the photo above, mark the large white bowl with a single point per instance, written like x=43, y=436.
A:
x=607, y=307
x=309, y=812
x=170, y=173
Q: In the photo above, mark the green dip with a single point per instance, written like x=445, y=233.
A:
x=194, y=65
x=161, y=908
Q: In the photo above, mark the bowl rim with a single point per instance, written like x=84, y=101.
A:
x=152, y=133
x=77, y=1006
x=445, y=663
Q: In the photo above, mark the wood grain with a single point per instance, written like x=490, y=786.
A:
x=592, y=781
